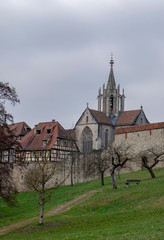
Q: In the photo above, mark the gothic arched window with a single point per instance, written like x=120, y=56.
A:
x=106, y=138
x=87, y=140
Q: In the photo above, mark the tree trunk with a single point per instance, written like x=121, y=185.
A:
x=71, y=179
x=42, y=210
x=72, y=175
x=113, y=180
x=102, y=178
x=151, y=172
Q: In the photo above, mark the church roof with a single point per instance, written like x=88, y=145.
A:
x=127, y=117
x=138, y=128
x=100, y=117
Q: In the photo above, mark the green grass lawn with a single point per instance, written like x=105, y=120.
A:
x=136, y=212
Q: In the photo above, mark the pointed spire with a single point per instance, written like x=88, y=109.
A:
x=111, y=80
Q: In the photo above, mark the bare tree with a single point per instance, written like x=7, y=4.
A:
x=99, y=164
x=37, y=178
x=118, y=155
x=8, y=190
x=72, y=159
x=7, y=93
x=151, y=157
x=8, y=142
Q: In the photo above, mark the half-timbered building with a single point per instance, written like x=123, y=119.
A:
x=48, y=140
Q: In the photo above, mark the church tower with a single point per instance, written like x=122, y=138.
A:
x=110, y=101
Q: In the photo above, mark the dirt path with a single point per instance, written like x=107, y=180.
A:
x=60, y=209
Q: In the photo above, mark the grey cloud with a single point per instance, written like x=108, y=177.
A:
x=57, y=54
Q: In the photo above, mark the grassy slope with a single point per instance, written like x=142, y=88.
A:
x=130, y=213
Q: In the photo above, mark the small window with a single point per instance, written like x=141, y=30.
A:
x=23, y=154
x=48, y=131
x=33, y=154
x=38, y=131
x=86, y=119
x=44, y=142
x=57, y=154
x=40, y=153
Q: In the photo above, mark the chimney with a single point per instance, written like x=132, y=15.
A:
x=53, y=120
x=35, y=128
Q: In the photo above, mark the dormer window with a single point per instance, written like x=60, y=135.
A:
x=48, y=131
x=19, y=138
x=38, y=131
x=44, y=142
x=27, y=129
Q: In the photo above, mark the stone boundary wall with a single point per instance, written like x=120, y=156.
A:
x=139, y=140
x=79, y=171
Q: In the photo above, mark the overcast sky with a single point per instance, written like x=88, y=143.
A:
x=56, y=54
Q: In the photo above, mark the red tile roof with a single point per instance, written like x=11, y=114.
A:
x=100, y=117
x=34, y=141
x=139, y=128
x=20, y=129
x=70, y=134
x=128, y=117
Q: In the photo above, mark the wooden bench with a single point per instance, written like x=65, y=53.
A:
x=132, y=181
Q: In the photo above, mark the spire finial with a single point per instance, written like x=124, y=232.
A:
x=111, y=60
x=87, y=104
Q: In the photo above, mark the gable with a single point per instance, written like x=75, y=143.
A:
x=86, y=118
x=90, y=116
x=141, y=119
x=132, y=117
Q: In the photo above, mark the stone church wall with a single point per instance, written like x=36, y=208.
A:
x=98, y=131
x=92, y=124
x=110, y=134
